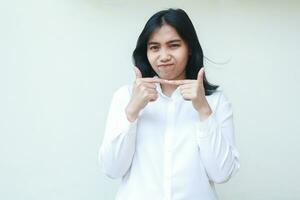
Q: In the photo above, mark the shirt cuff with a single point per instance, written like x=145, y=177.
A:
x=204, y=127
x=124, y=127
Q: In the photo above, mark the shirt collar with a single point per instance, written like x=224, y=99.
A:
x=175, y=95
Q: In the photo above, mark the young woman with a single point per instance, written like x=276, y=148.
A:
x=170, y=135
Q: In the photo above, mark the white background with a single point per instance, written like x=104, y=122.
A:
x=61, y=61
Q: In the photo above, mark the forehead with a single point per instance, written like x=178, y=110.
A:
x=164, y=34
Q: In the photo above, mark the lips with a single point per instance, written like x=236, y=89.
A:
x=165, y=65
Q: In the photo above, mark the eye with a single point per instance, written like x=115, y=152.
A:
x=153, y=48
x=174, y=45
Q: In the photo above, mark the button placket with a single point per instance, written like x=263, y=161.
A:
x=168, y=149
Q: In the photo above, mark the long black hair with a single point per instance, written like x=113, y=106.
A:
x=178, y=19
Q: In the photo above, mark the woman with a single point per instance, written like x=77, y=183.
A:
x=170, y=135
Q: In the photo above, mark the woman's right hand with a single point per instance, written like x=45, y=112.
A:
x=144, y=91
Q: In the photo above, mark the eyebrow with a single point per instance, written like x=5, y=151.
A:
x=171, y=41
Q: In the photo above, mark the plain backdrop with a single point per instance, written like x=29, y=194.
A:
x=61, y=61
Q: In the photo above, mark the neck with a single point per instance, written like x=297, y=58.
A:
x=168, y=89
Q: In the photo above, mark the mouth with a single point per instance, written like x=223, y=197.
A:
x=164, y=65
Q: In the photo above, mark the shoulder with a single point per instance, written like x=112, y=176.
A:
x=123, y=91
x=218, y=98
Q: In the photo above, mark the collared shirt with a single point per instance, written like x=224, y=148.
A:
x=168, y=153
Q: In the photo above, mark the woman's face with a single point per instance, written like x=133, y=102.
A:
x=167, y=53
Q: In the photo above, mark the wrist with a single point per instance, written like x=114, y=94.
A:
x=204, y=111
x=131, y=114
x=204, y=114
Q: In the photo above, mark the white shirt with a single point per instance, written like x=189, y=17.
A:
x=168, y=153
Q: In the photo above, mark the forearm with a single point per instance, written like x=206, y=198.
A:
x=118, y=146
x=219, y=157
x=116, y=155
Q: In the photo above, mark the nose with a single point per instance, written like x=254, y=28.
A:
x=164, y=55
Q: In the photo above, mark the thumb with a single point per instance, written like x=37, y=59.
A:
x=138, y=73
x=200, y=75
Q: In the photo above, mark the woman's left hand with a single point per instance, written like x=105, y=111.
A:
x=193, y=90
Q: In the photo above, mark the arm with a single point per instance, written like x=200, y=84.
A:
x=118, y=146
x=117, y=150
x=215, y=137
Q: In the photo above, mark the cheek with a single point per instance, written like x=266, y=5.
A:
x=151, y=58
x=182, y=57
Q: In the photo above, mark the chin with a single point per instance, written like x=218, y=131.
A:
x=165, y=76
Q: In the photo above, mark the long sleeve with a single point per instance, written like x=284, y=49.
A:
x=118, y=146
x=215, y=137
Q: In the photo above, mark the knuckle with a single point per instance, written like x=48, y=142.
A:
x=142, y=87
x=145, y=94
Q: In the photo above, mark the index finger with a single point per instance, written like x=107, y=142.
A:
x=179, y=82
x=153, y=80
